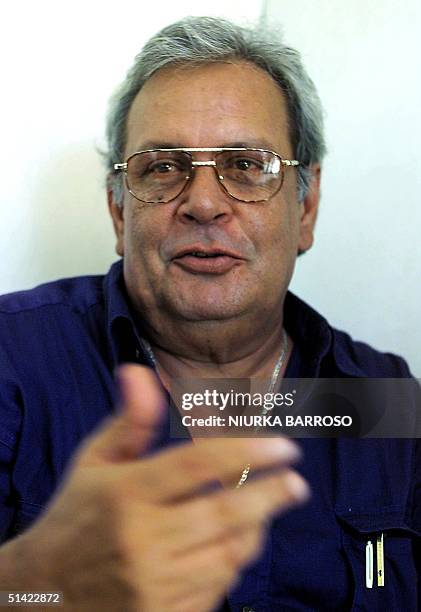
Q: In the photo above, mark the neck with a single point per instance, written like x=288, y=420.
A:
x=214, y=350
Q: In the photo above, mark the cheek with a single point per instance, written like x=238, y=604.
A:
x=279, y=231
x=141, y=232
x=143, y=268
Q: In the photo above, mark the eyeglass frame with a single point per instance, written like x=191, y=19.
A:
x=123, y=167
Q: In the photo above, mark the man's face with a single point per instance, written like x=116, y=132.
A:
x=219, y=105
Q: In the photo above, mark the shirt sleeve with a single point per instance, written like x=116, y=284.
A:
x=416, y=513
x=10, y=419
x=414, y=501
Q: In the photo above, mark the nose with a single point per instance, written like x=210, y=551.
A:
x=204, y=200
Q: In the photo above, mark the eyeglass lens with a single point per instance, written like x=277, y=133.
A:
x=160, y=176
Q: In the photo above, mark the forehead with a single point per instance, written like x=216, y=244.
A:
x=209, y=106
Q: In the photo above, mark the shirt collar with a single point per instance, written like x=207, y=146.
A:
x=318, y=343
x=122, y=334
x=324, y=351
x=310, y=331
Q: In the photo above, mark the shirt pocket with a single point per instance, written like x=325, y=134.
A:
x=392, y=560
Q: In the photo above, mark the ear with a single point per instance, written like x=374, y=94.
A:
x=309, y=209
x=117, y=216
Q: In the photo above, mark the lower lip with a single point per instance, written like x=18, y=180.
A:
x=207, y=265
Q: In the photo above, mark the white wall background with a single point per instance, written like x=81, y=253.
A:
x=59, y=63
x=364, y=271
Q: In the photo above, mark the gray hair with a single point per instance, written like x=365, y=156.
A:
x=204, y=40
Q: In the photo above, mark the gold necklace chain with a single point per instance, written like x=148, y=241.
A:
x=273, y=380
x=271, y=388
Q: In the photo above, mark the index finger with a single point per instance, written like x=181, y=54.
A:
x=182, y=471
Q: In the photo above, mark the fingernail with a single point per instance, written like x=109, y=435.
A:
x=283, y=448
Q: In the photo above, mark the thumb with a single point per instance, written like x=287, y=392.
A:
x=124, y=436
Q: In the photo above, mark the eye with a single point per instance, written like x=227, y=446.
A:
x=244, y=164
x=164, y=167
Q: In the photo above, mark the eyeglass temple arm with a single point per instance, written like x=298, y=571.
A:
x=119, y=167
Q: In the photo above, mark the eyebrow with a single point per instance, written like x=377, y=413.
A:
x=157, y=144
x=257, y=143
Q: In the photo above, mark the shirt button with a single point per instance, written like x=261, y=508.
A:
x=248, y=609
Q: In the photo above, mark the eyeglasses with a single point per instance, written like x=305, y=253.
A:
x=246, y=174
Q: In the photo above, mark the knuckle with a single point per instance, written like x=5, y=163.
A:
x=223, y=511
x=194, y=462
x=295, y=488
x=233, y=553
x=242, y=548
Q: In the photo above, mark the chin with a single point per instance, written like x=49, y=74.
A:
x=206, y=310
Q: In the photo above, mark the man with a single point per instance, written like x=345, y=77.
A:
x=217, y=132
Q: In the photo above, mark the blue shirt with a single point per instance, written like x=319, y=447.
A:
x=59, y=346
